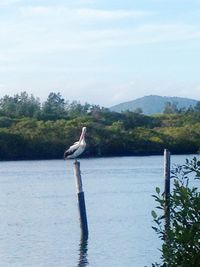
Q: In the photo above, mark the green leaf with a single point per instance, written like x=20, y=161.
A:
x=157, y=190
x=154, y=214
x=155, y=228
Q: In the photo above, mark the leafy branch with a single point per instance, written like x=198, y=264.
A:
x=181, y=240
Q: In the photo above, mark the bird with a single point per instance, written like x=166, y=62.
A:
x=77, y=148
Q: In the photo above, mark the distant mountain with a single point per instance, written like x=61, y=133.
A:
x=153, y=104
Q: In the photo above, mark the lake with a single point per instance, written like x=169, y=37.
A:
x=39, y=216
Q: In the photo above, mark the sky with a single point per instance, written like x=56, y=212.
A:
x=100, y=51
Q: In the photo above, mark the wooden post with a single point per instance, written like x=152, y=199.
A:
x=167, y=187
x=83, y=248
x=81, y=200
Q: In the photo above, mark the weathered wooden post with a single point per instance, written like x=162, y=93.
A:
x=81, y=200
x=83, y=248
x=167, y=187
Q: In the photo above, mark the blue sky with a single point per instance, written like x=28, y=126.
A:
x=101, y=52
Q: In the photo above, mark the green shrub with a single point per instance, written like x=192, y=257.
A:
x=181, y=239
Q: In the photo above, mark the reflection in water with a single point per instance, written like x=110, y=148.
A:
x=83, y=248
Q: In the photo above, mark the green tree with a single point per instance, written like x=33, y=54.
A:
x=197, y=107
x=138, y=110
x=196, y=112
x=8, y=106
x=54, y=107
x=135, y=119
x=181, y=240
x=75, y=109
x=20, y=105
x=27, y=106
x=170, y=108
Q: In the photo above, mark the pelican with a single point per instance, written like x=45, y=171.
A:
x=77, y=148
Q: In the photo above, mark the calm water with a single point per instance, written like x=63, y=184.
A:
x=39, y=217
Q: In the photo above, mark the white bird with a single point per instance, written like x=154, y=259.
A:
x=77, y=148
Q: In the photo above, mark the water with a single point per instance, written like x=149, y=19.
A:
x=39, y=225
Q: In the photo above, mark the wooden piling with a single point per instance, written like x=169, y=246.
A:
x=167, y=187
x=83, y=248
x=81, y=200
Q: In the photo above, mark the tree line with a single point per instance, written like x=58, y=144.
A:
x=55, y=107
x=30, y=129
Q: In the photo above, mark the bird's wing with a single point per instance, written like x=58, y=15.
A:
x=72, y=148
x=77, y=151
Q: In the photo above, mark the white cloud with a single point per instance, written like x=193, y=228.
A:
x=145, y=34
x=63, y=29
x=83, y=13
x=59, y=28
x=19, y=40
x=170, y=31
x=87, y=2
x=49, y=47
x=8, y=2
x=97, y=14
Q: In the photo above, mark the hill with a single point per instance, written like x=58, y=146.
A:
x=153, y=104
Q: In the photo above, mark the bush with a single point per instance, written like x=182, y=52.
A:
x=181, y=239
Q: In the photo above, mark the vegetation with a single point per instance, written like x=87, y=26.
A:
x=30, y=129
x=181, y=240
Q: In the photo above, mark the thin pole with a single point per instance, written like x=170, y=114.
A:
x=81, y=200
x=167, y=187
